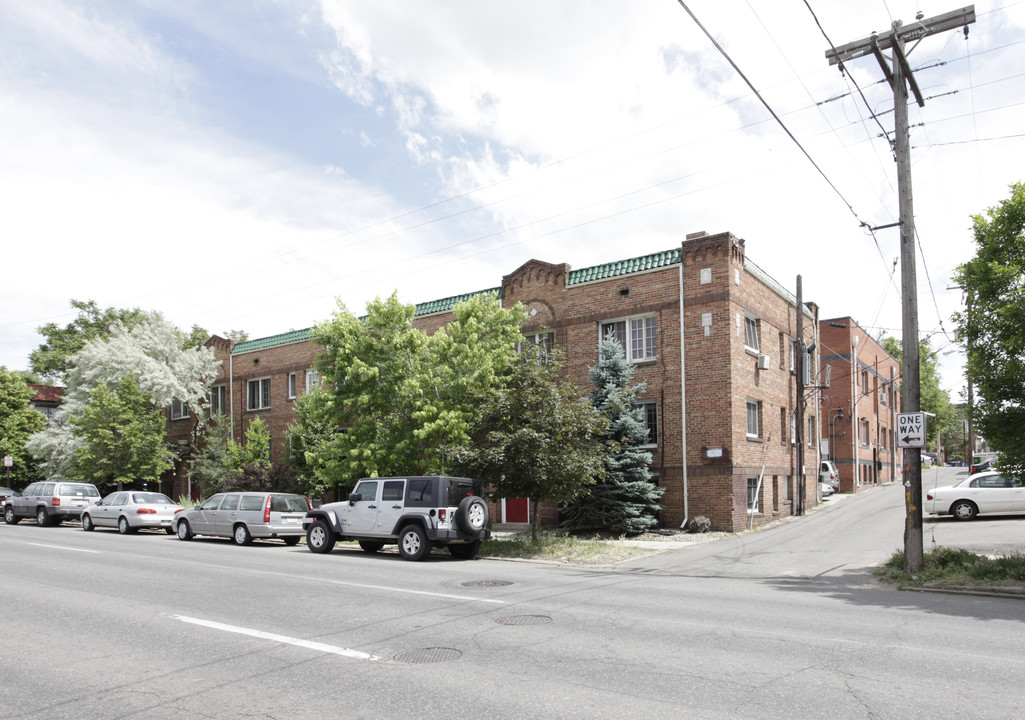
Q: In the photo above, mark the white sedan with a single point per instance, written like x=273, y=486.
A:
x=987, y=492
x=132, y=510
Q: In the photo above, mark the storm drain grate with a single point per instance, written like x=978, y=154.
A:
x=524, y=620
x=428, y=655
x=486, y=583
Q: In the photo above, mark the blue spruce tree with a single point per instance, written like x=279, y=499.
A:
x=627, y=501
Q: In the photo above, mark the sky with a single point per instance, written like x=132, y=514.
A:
x=247, y=166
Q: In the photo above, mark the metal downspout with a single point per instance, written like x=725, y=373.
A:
x=683, y=400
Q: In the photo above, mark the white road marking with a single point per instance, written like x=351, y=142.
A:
x=298, y=642
x=64, y=547
x=465, y=598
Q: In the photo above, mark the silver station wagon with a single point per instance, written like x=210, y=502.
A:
x=243, y=516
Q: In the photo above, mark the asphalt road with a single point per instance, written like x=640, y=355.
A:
x=781, y=623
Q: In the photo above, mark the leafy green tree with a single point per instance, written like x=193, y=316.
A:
x=212, y=464
x=122, y=436
x=627, y=499
x=403, y=396
x=152, y=353
x=51, y=359
x=314, y=428
x=993, y=326
x=933, y=398
x=537, y=437
x=17, y=422
x=250, y=467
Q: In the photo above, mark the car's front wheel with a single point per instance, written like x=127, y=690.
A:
x=10, y=518
x=184, y=530
x=241, y=535
x=413, y=543
x=964, y=510
x=320, y=538
x=87, y=523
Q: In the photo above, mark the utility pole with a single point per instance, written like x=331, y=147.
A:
x=799, y=410
x=898, y=73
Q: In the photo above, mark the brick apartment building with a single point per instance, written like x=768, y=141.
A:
x=859, y=409
x=710, y=437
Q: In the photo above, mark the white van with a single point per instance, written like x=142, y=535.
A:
x=829, y=475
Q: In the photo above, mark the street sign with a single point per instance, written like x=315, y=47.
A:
x=911, y=430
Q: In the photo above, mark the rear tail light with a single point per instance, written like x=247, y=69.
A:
x=266, y=511
x=179, y=510
x=309, y=504
x=145, y=511
x=928, y=496
x=56, y=501
x=442, y=512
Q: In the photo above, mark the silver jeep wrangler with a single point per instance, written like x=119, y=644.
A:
x=417, y=513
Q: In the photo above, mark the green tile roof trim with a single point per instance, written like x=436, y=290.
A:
x=446, y=304
x=576, y=277
x=624, y=267
x=291, y=336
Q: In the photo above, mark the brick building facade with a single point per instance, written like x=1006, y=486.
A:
x=723, y=443
x=860, y=407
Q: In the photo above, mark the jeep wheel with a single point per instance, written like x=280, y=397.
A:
x=465, y=551
x=472, y=514
x=87, y=523
x=10, y=518
x=241, y=535
x=184, y=531
x=370, y=546
x=413, y=543
x=319, y=538
x=42, y=517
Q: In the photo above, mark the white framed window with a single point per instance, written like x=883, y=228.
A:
x=218, y=406
x=636, y=335
x=809, y=440
x=864, y=432
x=545, y=339
x=752, y=494
x=793, y=427
x=291, y=386
x=751, y=333
x=259, y=394
x=650, y=418
x=754, y=418
x=312, y=379
x=864, y=382
x=179, y=410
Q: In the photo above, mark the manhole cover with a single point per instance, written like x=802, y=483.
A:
x=428, y=655
x=486, y=583
x=524, y=620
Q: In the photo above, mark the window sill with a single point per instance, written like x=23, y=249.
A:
x=754, y=439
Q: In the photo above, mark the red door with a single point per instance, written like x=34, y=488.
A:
x=516, y=510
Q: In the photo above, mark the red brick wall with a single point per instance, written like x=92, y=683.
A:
x=721, y=373
x=876, y=459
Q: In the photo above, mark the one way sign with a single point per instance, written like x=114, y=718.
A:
x=911, y=430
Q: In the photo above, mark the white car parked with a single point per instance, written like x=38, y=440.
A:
x=987, y=492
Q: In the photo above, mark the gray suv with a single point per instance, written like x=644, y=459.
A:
x=416, y=513
x=50, y=502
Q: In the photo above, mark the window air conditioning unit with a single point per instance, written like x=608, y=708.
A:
x=763, y=362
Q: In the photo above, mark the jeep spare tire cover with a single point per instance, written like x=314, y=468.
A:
x=472, y=514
